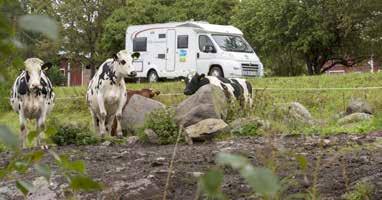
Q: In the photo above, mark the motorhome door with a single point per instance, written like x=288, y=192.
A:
x=170, y=51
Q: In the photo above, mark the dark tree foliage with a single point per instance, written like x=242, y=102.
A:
x=289, y=32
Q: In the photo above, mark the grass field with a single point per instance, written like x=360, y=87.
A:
x=323, y=104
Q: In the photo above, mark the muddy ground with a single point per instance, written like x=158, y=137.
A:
x=139, y=171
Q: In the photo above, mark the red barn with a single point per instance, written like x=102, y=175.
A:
x=76, y=73
x=363, y=67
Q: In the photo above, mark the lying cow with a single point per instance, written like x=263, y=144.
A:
x=32, y=96
x=149, y=93
x=238, y=88
x=106, y=94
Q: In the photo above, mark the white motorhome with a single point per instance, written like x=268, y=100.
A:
x=172, y=50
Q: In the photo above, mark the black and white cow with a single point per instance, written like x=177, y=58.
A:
x=237, y=88
x=32, y=96
x=106, y=94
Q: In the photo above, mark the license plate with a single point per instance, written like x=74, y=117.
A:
x=249, y=73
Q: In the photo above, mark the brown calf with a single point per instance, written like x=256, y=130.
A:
x=149, y=93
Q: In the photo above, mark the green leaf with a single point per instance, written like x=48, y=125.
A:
x=77, y=166
x=262, y=180
x=21, y=166
x=235, y=161
x=50, y=131
x=43, y=170
x=24, y=187
x=41, y=24
x=84, y=183
x=8, y=138
x=34, y=156
x=302, y=161
x=32, y=135
x=55, y=156
x=211, y=183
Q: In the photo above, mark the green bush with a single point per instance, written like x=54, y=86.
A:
x=73, y=134
x=56, y=76
x=246, y=130
x=162, y=122
x=362, y=191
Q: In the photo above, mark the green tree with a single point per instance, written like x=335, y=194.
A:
x=161, y=11
x=213, y=11
x=56, y=76
x=135, y=12
x=309, y=31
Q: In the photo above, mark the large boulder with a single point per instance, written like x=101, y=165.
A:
x=208, y=102
x=133, y=116
x=359, y=106
x=294, y=112
x=204, y=129
x=353, y=118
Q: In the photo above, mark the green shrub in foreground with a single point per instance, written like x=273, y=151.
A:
x=362, y=190
x=73, y=134
x=162, y=122
x=246, y=130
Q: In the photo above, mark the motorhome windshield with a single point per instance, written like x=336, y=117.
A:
x=232, y=43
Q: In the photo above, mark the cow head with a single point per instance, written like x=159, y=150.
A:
x=194, y=83
x=34, y=67
x=123, y=63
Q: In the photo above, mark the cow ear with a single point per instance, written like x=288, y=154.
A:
x=46, y=66
x=135, y=55
x=115, y=56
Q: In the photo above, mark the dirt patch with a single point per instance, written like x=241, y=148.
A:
x=139, y=171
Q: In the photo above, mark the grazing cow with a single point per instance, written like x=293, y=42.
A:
x=234, y=87
x=106, y=94
x=149, y=93
x=32, y=96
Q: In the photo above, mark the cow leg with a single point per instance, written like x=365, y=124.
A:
x=118, y=115
x=102, y=116
x=95, y=121
x=40, y=128
x=23, y=129
x=109, y=125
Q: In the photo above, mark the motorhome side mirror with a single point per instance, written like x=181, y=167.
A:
x=254, y=48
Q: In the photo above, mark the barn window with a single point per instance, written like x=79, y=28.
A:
x=162, y=35
x=140, y=44
x=182, y=41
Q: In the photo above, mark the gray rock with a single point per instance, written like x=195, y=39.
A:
x=134, y=114
x=208, y=102
x=359, y=106
x=106, y=143
x=41, y=190
x=238, y=123
x=10, y=191
x=339, y=115
x=294, y=112
x=132, y=140
x=204, y=129
x=152, y=136
x=353, y=118
x=142, y=189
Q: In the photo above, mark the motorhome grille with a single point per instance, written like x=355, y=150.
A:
x=249, y=69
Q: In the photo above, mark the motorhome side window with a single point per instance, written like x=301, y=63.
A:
x=140, y=44
x=182, y=41
x=204, y=42
x=161, y=35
